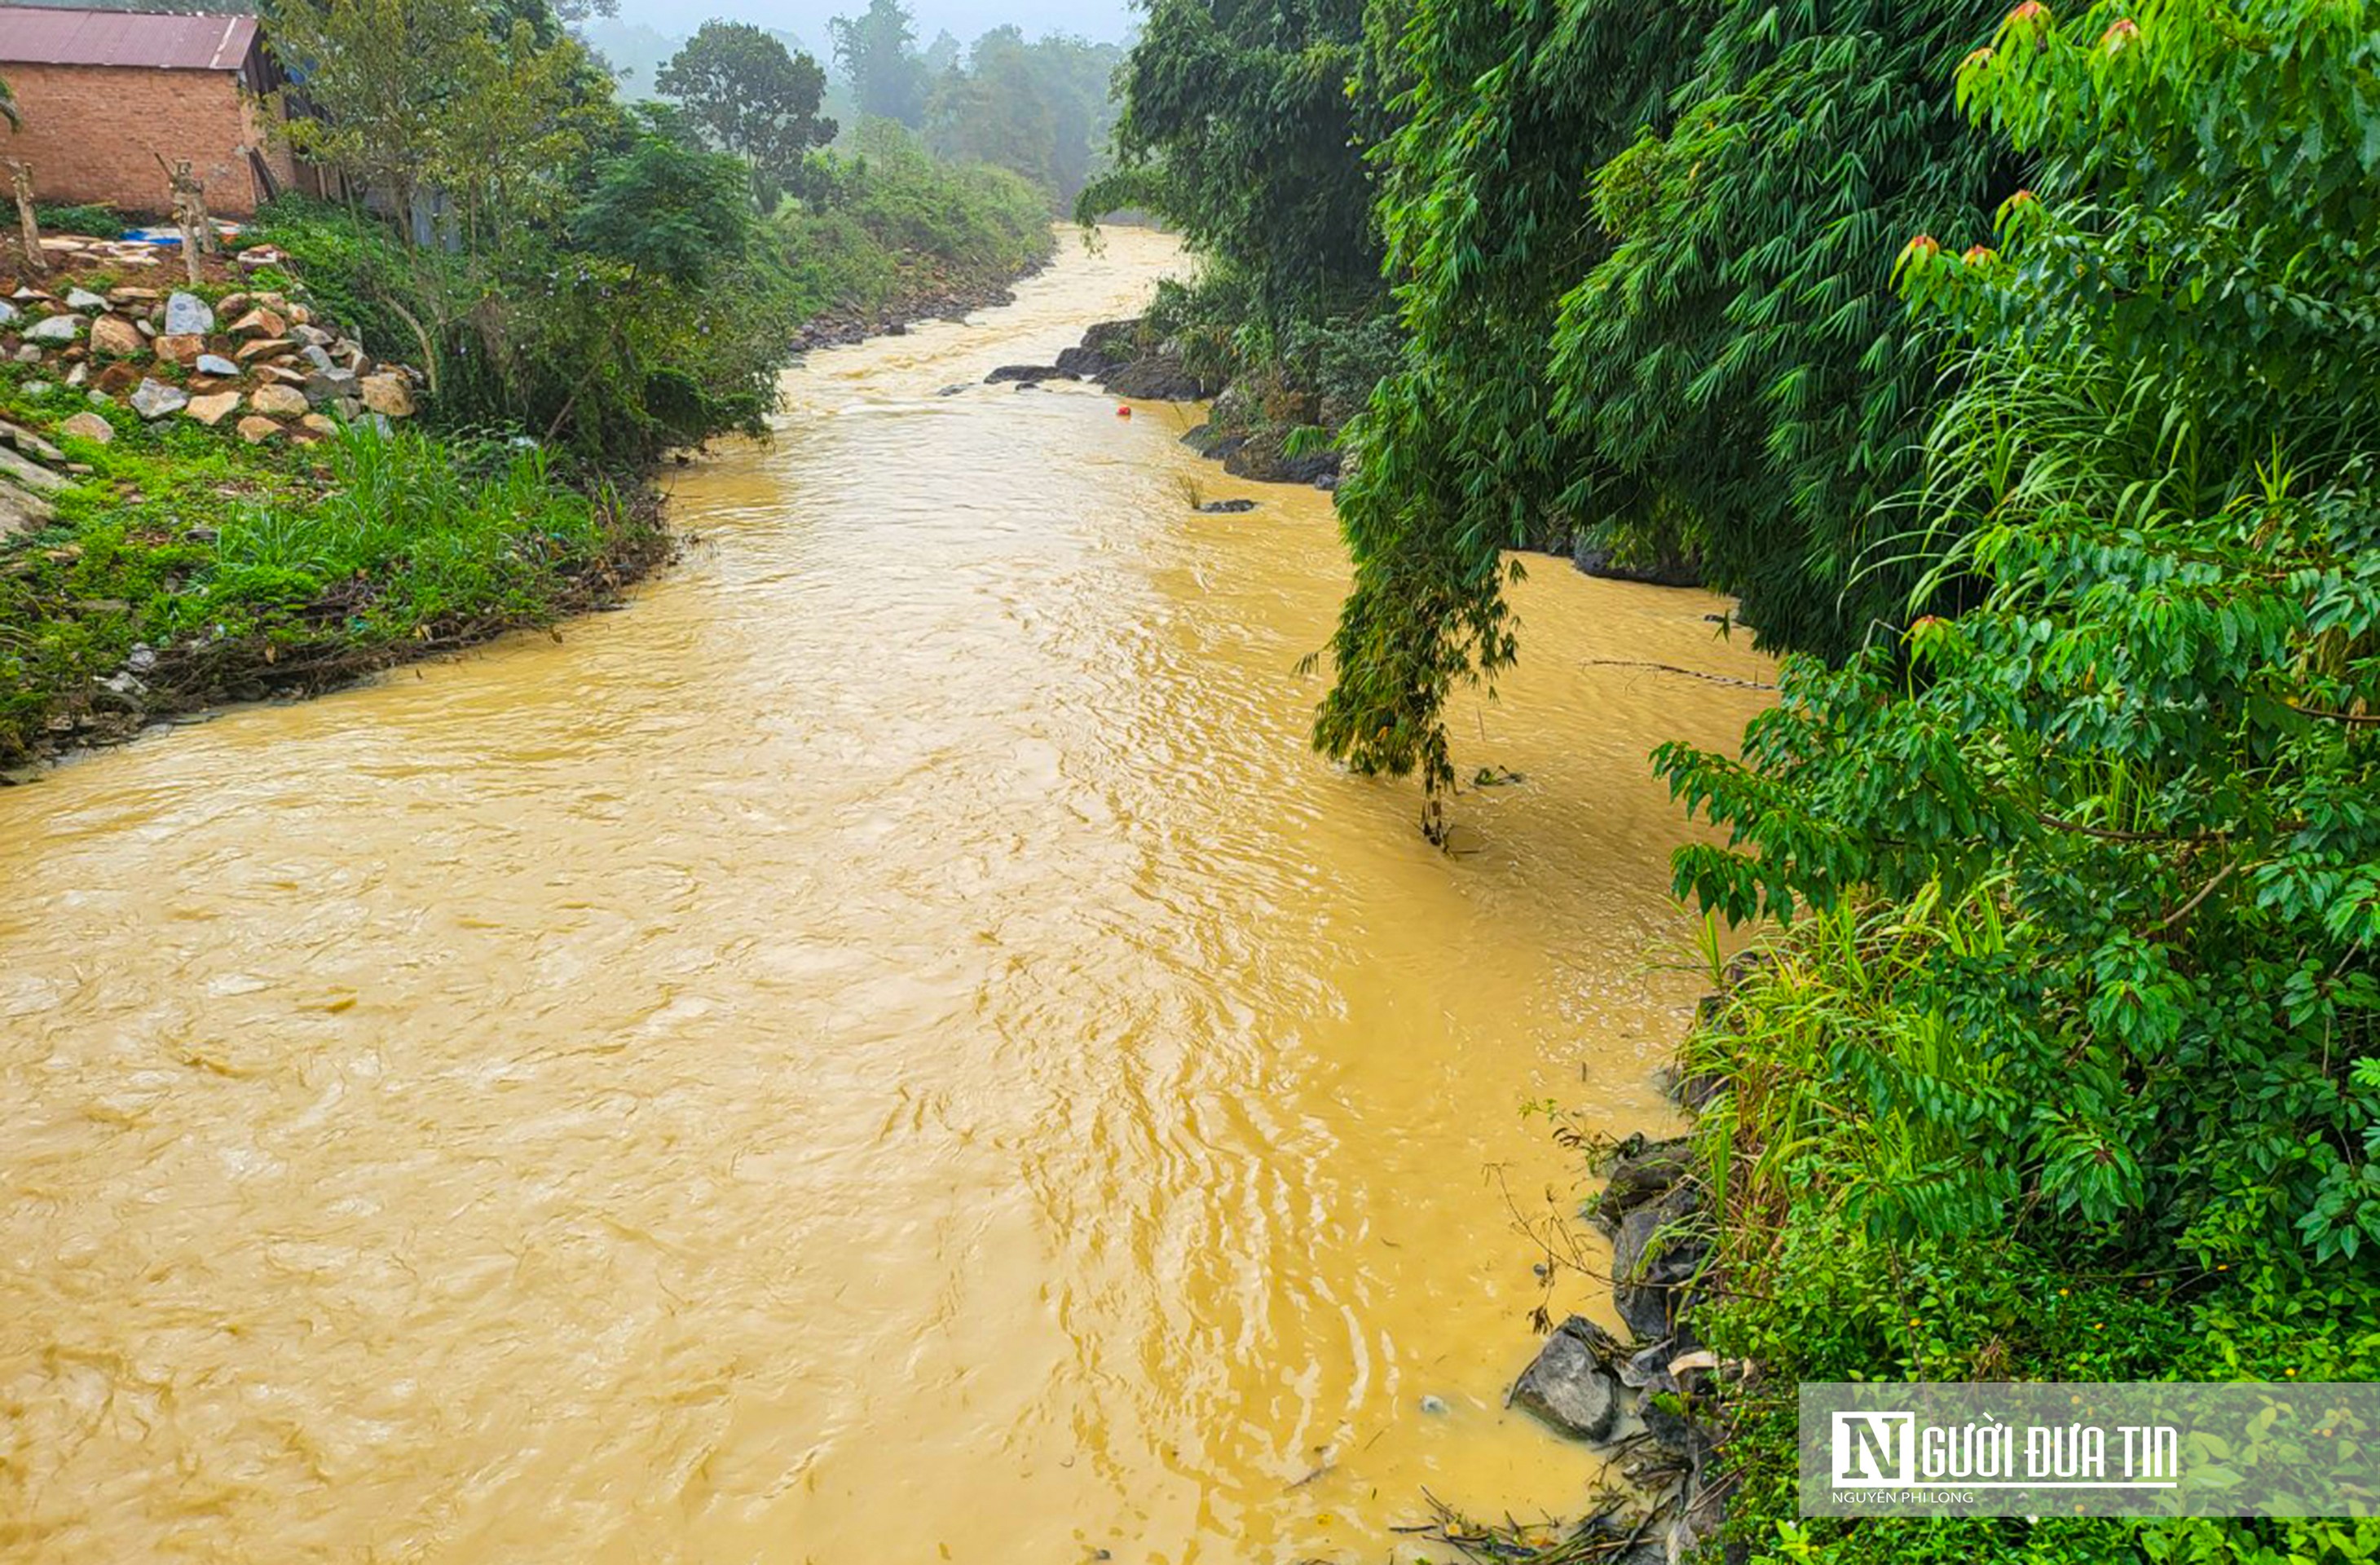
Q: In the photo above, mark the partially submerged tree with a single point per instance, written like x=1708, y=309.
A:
x=1639, y=256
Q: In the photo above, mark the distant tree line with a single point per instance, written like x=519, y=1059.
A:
x=1040, y=108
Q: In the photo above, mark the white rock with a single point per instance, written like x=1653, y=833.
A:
x=188, y=315
x=154, y=399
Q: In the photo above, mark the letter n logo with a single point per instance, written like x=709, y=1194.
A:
x=1873, y=1450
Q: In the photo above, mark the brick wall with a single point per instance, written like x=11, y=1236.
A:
x=94, y=133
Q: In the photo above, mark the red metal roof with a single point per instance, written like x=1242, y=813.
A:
x=37, y=35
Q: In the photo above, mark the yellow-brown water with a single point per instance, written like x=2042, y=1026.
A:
x=890, y=1049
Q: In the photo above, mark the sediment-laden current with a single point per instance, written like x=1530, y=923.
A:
x=890, y=1050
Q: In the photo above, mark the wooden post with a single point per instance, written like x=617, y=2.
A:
x=190, y=214
x=20, y=174
x=197, y=188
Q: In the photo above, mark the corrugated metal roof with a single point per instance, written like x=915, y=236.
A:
x=43, y=36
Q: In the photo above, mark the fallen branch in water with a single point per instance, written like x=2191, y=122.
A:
x=1595, y=1539
x=1672, y=668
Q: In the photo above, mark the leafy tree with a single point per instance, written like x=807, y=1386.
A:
x=601, y=292
x=1042, y=108
x=877, y=52
x=8, y=107
x=1488, y=225
x=752, y=97
x=1739, y=361
x=1238, y=125
x=410, y=96
x=667, y=212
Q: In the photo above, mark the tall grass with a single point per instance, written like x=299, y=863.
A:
x=430, y=531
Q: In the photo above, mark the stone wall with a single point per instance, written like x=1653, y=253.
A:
x=94, y=133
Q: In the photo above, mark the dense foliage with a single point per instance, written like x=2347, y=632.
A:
x=2089, y=993
x=1486, y=217
x=1040, y=108
x=1239, y=126
x=877, y=50
x=1643, y=262
x=889, y=221
x=2155, y=737
x=614, y=279
x=558, y=264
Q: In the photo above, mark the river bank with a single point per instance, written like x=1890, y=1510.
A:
x=938, y=296
x=157, y=567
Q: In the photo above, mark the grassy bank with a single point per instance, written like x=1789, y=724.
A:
x=890, y=231
x=1860, y=1237
x=182, y=568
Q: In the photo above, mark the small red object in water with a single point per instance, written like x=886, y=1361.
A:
x=1122, y=411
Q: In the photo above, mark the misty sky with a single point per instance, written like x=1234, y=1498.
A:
x=1099, y=20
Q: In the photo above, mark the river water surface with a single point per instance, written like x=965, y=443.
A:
x=890, y=1049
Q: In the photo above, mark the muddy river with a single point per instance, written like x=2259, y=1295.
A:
x=889, y=1049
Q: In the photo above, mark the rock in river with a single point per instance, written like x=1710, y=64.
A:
x=1643, y=1170
x=1573, y=1387
x=1656, y=1255
x=1162, y=377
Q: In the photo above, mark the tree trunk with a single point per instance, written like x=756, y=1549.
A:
x=20, y=174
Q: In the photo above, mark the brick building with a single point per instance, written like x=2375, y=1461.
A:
x=105, y=94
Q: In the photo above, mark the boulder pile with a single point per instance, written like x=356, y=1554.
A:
x=31, y=470
x=164, y=355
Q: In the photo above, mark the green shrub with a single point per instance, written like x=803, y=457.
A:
x=891, y=217
x=564, y=344
x=1850, y=1246
x=443, y=532
x=99, y=222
